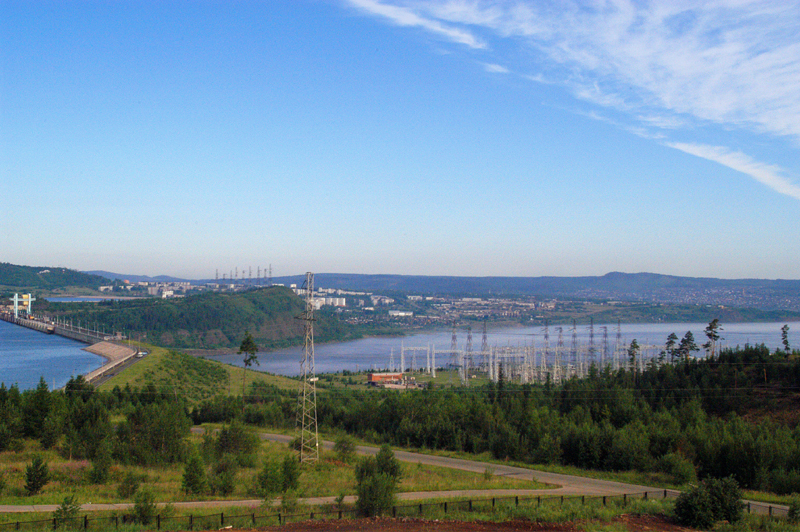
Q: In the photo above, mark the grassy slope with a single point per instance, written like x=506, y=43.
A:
x=197, y=378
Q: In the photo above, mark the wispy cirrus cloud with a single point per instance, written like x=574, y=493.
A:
x=495, y=68
x=404, y=16
x=668, y=66
x=770, y=175
x=733, y=62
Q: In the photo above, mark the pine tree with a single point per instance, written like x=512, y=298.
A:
x=36, y=475
x=249, y=349
x=194, y=476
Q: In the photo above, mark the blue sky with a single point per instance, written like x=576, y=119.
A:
x=446, y=137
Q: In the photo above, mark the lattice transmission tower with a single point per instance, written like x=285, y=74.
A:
x=307, y=396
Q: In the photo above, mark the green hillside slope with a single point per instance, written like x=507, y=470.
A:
x=196, y=379
x=13, y=277
x=207, y=321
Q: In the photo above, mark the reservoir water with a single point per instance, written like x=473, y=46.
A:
x=27, y=355
x=375, y=353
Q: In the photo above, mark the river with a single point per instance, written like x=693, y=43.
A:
x=375, y=353
x=27, y=355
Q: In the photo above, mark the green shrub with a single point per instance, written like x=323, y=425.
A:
x=377, y=479
x=693, y=508
x=223, y=480
x=794, y=509
x=36, y=475
x=388, y=464
x=144, y=506
x=67, y=512
x=269, y=480
x=376, y=494
x=129, y=485
x=726, y=498
x=713, y=500
x=345, y=448
x=291, y=473
x=679, y=467
x=101, y=464
x=194, y=476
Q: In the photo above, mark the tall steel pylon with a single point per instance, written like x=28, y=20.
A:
x=307, y=396
x=485, y=345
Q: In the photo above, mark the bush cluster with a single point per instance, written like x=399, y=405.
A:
x=713, y=500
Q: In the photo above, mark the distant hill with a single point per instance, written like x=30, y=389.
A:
x=14, y=277
x=137, y=278
x=646, y=287
x=208, y=320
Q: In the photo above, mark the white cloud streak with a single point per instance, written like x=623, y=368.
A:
x=667, y=65
x=495, y=68
x=406, y=17
x=770, y=175
x=730, y=62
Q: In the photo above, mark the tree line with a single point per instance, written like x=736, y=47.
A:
x=731, y=413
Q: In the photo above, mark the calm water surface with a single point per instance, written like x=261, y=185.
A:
x=375, y=353
x=27, y=355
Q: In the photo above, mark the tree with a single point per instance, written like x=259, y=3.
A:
x=144, y=506
x=633, y=353
x=785, y=338
x=249, y=350
x=67, y=511
x=672, y=341
x=194, y=476
x=377, y=479
x=291, y=472
x=713, y=336
x=345, y=448
x=687, y=346
x=269, y=480
x=36, y=475
x=713, y=500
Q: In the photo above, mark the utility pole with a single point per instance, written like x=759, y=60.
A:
x=307, y=395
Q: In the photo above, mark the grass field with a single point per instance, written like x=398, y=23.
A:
x=194, y=377
x=330, y=477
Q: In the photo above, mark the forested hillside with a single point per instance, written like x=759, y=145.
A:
x=13, y=277
x=208, y=320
